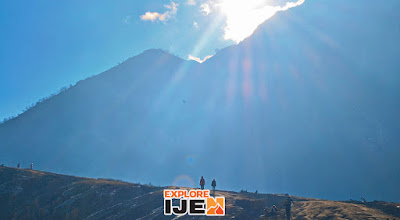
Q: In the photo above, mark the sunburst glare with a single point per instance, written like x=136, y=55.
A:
x=242, y=18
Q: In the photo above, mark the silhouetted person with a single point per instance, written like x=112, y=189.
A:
x=202, y=182
x=18, y=166
x=274, y=210
x=288, y=206
x=214, y=184
x=31, y=166
x=266, y=213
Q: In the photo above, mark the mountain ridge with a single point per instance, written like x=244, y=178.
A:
x=155, y=53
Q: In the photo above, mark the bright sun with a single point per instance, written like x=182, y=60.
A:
x=243, y=17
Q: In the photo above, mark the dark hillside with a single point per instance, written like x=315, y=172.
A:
x=31, y=194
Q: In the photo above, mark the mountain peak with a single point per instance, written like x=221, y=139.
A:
x=157, y=53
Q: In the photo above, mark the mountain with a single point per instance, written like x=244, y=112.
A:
x=307, y=105
x=32, y=194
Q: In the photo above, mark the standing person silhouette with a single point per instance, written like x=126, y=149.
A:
x=213, y=185
x=18, y=166
x=288, y=206
x=31, y=166
x=274, y=210
x=202, y=182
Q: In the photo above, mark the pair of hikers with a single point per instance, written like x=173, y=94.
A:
x=18, y=166
x=203, y=183
x=274, y=211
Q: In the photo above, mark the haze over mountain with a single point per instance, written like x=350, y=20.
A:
x=303, y=106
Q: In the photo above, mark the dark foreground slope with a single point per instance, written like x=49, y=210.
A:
x=30, y=194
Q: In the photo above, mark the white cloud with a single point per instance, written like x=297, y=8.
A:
x=173, y=7
x=191, y=2
x=292, y=4
x=152, y=16
x=205, y=8
x=243, y=17
x=197, y=59
x=196, y=25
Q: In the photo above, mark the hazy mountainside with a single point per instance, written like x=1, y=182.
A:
x=307, y=105
x=26, y=194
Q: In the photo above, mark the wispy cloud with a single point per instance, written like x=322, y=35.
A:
x=196, y=25
x=191, y=2
x=205, y=8
x=152, y=16
x=197, y=59
x=291, y=5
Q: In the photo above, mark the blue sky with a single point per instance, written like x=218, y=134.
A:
x=46, y=45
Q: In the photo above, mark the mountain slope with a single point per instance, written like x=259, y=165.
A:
x=34, y=194
x=307, y=105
